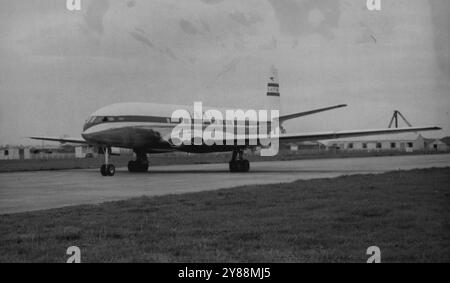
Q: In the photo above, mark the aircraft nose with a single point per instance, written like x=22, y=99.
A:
x=88, y=134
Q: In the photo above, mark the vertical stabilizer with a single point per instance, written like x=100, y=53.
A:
x=273, y=91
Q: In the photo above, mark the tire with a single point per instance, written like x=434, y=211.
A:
x=245, y=165
x=132, y=166
x=111, y=170
x=103, y=170
x=239, y=166
x=143, y=167
x=233, y=167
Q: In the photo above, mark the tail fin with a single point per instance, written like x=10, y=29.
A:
x=273, y=91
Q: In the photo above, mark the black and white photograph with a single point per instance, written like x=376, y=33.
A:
x=207, y=133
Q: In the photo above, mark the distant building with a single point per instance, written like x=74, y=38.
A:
x=438, y=145
x=52, y=152
x=14, y=153
x=307, y=146
x=84, y=151
x=406, y=143
x=446, y=140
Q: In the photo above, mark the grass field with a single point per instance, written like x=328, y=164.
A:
x=405, y=213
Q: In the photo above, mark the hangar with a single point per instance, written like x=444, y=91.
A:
x=439, y=145
x=14, y=153
x=303, y=147
x=406, y=143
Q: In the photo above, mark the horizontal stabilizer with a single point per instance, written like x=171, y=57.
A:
x=310, y=112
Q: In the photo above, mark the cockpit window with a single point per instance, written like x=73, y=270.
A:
x=98, y=119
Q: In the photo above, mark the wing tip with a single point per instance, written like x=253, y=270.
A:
x=430, y=128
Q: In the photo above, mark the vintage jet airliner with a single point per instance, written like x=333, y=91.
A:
x=146, y=128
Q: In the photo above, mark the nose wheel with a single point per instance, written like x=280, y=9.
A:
x=107, y=169
x=239, y=164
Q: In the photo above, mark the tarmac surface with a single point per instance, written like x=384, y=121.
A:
x=26, y=191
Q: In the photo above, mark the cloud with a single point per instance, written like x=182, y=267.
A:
x=440, y=10
x=212, y=1
x=244, y=19
x=131, y=3
x=111, y=53
x=96, y=10
x=188, y=27
x=299, y=18
x=142, y=38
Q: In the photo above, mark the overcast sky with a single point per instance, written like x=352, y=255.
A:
x=57, y=67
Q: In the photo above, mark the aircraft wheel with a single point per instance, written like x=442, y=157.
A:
x=103, y=170
x=132, y=166
x=107, y=170
x=111, y=170
x=245, y=165
x=239, y=166
x=144, y=167
x=233, y=166
x=141, y=167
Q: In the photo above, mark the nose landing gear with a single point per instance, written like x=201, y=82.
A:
x=107, y=169
x=240, y=164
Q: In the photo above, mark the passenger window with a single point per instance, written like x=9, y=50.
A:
x=108, y=119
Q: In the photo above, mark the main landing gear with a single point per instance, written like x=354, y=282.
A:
x=140, y=164
x=107, y=169
x=240, y=164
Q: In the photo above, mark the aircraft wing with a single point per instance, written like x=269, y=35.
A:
x=310, y=112
x=354, y=133
x=250, y=139
x=61, y=140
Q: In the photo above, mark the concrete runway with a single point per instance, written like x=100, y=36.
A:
x=25, y=191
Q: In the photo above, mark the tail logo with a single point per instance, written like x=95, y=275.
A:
x=273, y=88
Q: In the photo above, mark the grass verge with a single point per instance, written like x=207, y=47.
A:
x=404, y=213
